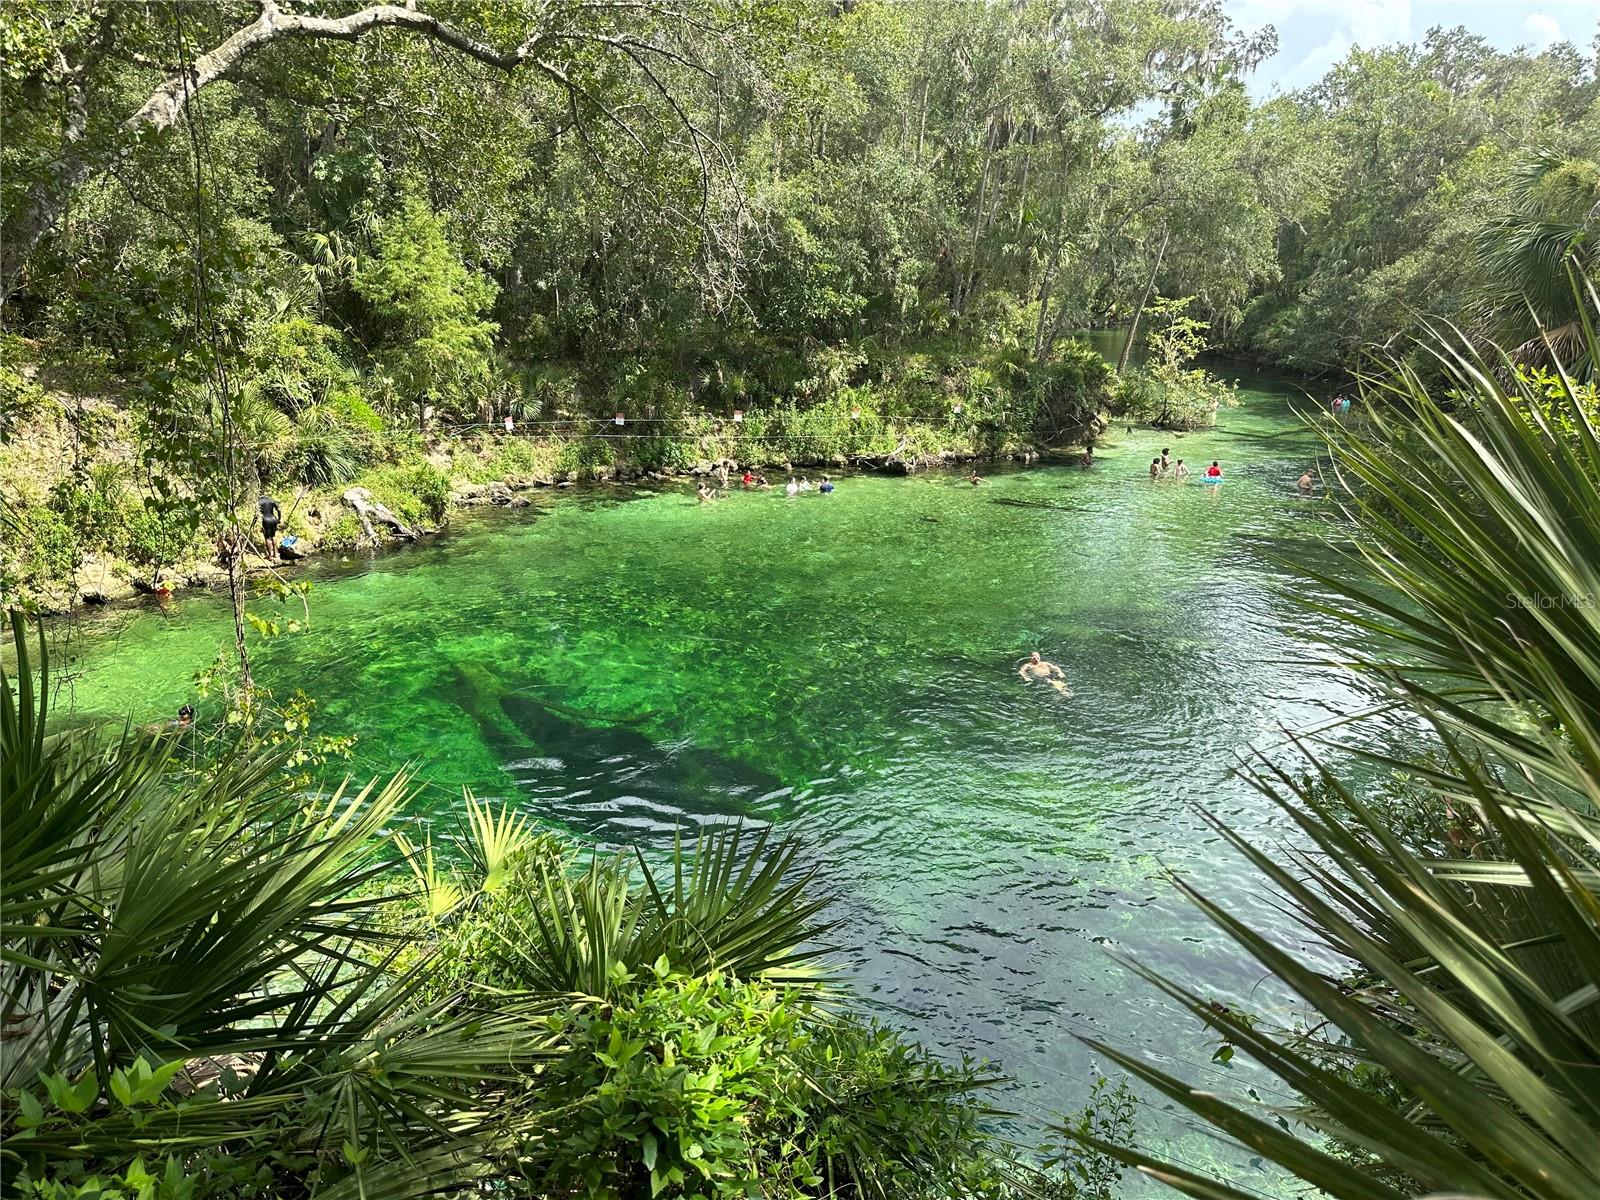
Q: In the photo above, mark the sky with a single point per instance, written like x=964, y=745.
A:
x=1315, y=34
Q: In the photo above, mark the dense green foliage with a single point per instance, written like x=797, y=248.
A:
x=1457, y=181
x=256, y=247
x=706, y=202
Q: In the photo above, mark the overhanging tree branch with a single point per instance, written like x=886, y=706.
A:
x=39, y=211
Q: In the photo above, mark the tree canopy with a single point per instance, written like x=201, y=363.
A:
x=714, y=188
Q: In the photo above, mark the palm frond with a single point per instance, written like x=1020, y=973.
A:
x=1475, y=985
x=495, y=842
x=734, y=903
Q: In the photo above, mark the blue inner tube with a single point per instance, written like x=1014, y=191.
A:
x=1211, y=479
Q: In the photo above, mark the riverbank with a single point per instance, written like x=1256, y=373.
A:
x=86, y=533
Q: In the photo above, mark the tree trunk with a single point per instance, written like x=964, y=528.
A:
x=968, y=278
x=1138, y=311
x=1022, y=188
x=922, y=122
x=1046, y=288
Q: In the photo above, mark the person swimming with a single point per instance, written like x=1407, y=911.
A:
x=1166, y=457
x=1155, y=468
x=792, y=487
x=747, y=479
x=1214, y=471
x=176, y=727
x=706, y=494
x=825, y=486
x=1180, y=471
x=1036, y=669
x=975, y=479
x=1305, y=482
x=805, y=483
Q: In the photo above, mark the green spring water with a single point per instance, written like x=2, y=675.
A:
x=628, y=663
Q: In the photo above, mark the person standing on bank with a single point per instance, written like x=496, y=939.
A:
x=271, y=517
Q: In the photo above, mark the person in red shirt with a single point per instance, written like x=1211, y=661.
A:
x=1214, y=471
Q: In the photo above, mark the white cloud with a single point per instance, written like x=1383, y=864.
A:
x=1330, y=28
x=1315, y=64
x=1363, y=22
x=1542, y=29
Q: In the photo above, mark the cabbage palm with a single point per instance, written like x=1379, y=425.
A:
x=1475, y=997
x=1551, y=226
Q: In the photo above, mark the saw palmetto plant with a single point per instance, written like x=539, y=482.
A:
x=1460, y=1054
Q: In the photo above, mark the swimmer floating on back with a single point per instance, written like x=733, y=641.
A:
x=1038, y=669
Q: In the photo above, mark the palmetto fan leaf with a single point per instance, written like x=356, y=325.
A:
x=738, y=904
x=216, y=918
x=1502, y=1065
x=1485, y=521
x=494, y=842
x=1552, y=222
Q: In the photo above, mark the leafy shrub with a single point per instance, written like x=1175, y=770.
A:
x=92, y=504
x=431, y=488
x=189, y=896
x=543, y=390
x=517, y=458
x=295, y=363
x=1541, y=398
x=711, y=1087
x=342, y=533
x=417, y=492
x=20, y=397
x=1179, y=400
x=427, y=305
x=50, y=550
x=661, y=454
x=156, y=536
x=328, y=447
x=584, y=458
x=265, y=433
x=1165, y=391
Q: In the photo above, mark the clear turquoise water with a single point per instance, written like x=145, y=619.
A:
x=625, y=663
